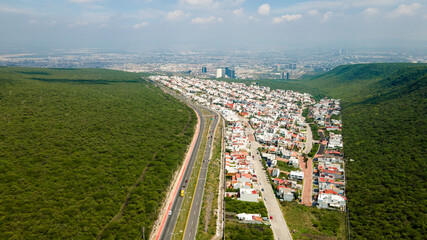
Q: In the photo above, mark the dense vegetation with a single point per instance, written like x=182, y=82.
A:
x=237, y=206
x=240, y=231
x=313, y=150
x=384, y=118
x=315, y=131
x=313, y=223
x=85, y=150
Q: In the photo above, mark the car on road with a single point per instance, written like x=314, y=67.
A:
x=170, y=213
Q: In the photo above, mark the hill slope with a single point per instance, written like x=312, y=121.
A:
x=384, y=117
x=74, y=143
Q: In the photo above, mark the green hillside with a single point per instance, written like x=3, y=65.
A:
x=384, y=117
x=78, y=144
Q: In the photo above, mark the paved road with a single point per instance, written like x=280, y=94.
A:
x=167, y=230
x=278, y=224
x=196, y=205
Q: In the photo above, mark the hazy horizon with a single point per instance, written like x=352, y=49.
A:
x=142, y=24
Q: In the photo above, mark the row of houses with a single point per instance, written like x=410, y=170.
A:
x=276, y=117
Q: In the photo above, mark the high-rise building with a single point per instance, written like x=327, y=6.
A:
x=293, y=66
x=225, y=72
x=220, y=73
x=204, y=70
x=287, y=75
x=282, y=75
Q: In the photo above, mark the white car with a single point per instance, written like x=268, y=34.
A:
x=170, y=213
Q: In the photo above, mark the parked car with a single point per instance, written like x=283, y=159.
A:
x=262, y=189
x=271, y=217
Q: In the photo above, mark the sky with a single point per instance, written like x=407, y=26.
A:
x=155, y=24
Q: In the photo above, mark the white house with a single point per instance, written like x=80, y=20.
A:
x=330, y=200
x=298, y=175
x=248, y=195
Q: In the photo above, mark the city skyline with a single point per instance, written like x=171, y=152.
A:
x=213, y=24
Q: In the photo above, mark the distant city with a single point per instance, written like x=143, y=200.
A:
x=240, y=64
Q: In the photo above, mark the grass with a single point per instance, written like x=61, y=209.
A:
x=237, y=206
x=241, y=231
x=285, y=167
x=192, y=183
x=207, y=222
x=314, y=150
x=312, y=223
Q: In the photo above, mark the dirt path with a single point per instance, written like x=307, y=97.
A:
x=308, y=181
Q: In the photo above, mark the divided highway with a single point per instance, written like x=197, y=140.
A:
x=169, y=225
x=196, y=205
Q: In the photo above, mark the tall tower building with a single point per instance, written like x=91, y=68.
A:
x=204, y=70
x=220, y=73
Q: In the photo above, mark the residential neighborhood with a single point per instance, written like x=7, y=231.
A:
x=284, y=137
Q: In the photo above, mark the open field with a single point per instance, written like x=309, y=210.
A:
x=312, y=223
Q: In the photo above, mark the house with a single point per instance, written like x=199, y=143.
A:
x=247, y=216
x=298, y=175
x=248, y=195
x=275, y=172
x=284, y=193
x=330, y=199
x=294, y=162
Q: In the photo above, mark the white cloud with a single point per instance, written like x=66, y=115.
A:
x=405, y=10
x=326, y=16
x=253, y=19
x=238, y=12
x=175, y=15
x=197, y=2
x=313, y=12
x=204, y=20
x=140, y=25
x=371, y=11
x=16, y=10
x=287, y=17
x=32, y=21
x=264, y=9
